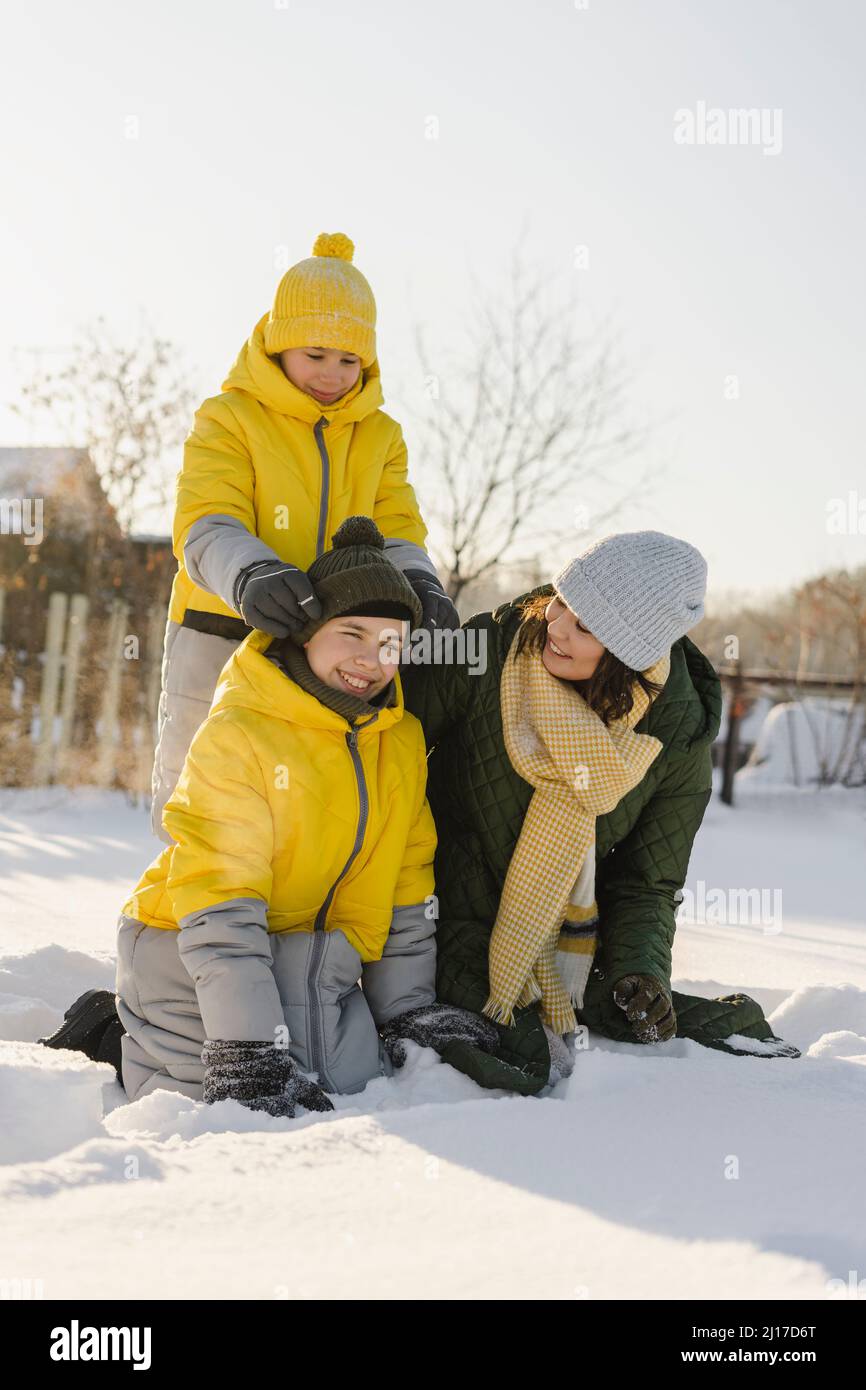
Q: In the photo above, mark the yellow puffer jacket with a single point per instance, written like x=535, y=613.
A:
x=253, y=455
x=272, y=800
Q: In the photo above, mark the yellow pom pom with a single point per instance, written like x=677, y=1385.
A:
x=334, y=244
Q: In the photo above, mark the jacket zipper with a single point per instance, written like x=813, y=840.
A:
x=325, y=495
x=317, y=1037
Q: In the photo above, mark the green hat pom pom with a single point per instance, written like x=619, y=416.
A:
x=358, y=530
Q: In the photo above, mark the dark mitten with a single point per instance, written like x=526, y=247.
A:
x=258, y=1075
x=439, y=611
x=648, y=1007
x=307, y=1093
x=437, y=1025
x=276, y=597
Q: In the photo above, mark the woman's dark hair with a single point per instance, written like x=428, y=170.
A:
x=608, y=691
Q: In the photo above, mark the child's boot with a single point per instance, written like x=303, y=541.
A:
x=85, y=1023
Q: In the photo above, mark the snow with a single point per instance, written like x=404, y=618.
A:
x=802, y=740
x=670, y=1171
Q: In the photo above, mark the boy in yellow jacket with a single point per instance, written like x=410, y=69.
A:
x=295, y=443
x=302, y=863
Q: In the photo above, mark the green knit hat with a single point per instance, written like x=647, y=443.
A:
x=356, y=576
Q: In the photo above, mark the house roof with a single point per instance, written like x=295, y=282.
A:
x=65, y=479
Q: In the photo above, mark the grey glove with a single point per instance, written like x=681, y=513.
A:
x=561, y=1054
x=276, y=597
x=648, y=1007
x=438, y=609
x=437, y=1025
x=259, y=1076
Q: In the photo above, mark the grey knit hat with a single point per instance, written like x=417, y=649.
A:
x=637, y=592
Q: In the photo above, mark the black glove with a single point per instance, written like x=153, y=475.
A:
x=259, y=1076
x=436, y=1026
x=439, y=611
x=648, y=1007
x=276, y=597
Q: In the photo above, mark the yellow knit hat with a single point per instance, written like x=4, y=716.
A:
x=324, y=301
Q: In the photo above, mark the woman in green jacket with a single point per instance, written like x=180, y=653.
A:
x=569, y=773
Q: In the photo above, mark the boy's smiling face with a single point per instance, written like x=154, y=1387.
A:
x=356, y=653
x=326, y=374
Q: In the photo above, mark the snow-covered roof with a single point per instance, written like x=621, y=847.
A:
x=64, y=478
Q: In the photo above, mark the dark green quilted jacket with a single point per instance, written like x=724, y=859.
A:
x=642, y=846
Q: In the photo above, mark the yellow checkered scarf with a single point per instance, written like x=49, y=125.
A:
x=543, y=939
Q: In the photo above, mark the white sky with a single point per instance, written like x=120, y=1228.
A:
x=263, y=124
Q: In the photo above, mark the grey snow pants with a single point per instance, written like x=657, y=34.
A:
x=332, y=1002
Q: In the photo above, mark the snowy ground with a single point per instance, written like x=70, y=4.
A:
x=668, y=1171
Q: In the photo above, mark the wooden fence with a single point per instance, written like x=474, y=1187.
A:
x=83, y=710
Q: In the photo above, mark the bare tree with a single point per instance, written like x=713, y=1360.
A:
x=128, y=403
x=530, y=427
x=816, y=628
x=833, y=623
